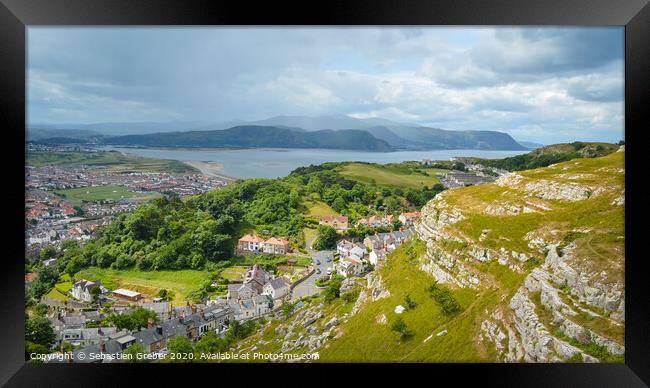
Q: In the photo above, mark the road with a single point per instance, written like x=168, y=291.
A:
x=308, y=286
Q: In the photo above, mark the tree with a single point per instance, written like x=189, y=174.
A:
x=44, y=282
x=181, y=346
x=396, y=223
x=133, y=351
x=338, y=204
x=94, y=292
x=165, y=295
x=47, y=252
x=409, y=303
x=400, y=327
x=211, y=343
x=39, y=331
x=326, y=238
x=140, y=317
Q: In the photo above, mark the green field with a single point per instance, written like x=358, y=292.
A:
x=110, y=161
x=317, y=208
x=99, y=193
x=181, y=282
x=388, y=176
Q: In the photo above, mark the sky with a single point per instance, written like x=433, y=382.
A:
x=546, y=84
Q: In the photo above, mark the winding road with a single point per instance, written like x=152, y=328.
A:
x=308, y=286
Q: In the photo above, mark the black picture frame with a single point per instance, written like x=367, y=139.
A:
x=16, y=15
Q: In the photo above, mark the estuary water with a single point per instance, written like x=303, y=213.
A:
x=274, y=162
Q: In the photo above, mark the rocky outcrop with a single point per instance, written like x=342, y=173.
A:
x=566, y=290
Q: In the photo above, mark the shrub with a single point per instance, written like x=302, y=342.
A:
x=444, y=298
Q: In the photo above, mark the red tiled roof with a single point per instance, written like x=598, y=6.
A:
x=31, y=276
x=332, y=218
x=251, y=238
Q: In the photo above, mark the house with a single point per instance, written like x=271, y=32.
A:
x=358, y=252
x=238, y=291
x=350, y=266
x=343, y=247
x=82, y=290
x=276, y=246
x=262, y=304
x=408, y=219
x=29, y=278
x=376, y=221
x=256, y=277
x=86, y=336
x=377, y=256
x=276, y=288
x=250, y=243
x=162, y=309
x=127, y=295
x=336, y=222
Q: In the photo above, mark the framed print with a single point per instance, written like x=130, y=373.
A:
x=373, y=189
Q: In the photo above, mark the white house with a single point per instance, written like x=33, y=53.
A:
x=276, y=288
x=350, y=266
x=81, y=290
x=377, y=256
x=358, y=252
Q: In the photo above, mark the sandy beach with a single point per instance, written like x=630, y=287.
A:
x=210, y=168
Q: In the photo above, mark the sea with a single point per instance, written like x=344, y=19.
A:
x=279, y=162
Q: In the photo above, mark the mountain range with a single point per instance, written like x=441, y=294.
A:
x=337, y=131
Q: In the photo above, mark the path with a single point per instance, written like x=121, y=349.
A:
x=308, y=286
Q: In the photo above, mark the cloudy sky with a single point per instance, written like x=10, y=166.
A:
x=537, y=84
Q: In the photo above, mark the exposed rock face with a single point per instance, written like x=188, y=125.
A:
x=547, y=318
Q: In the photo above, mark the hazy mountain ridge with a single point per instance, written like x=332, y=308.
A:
x=397, y=135
x=257, y=137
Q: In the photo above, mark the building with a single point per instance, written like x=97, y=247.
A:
x=86, y=336
x=407, y=219
x=377, y=221
x=256, y=277
x=162, y=309
x=128, y=295
x=276, y=246
x=336, y=222
x=277, y=288
x=377, y=256
x=358, y=252
x=350, y=266
x=250, y=243
x=83, y=290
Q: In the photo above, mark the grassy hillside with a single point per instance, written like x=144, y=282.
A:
x=584, y=223
x=556, y=153
x=388, y=176
x=181, y=282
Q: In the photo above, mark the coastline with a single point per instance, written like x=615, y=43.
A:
x=208, y=168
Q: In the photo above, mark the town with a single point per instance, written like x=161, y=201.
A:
x=82, y=325
x=63, y=203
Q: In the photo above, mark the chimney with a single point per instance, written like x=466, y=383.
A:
x=150, y=323
x=159, y=330
x=100, y=331
x=193, y=307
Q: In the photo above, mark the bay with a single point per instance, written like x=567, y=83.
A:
x=274, y=162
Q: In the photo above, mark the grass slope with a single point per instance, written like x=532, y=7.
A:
x=181, y=282
x=383, y=175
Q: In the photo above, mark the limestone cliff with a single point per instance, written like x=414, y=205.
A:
x=561, y=230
